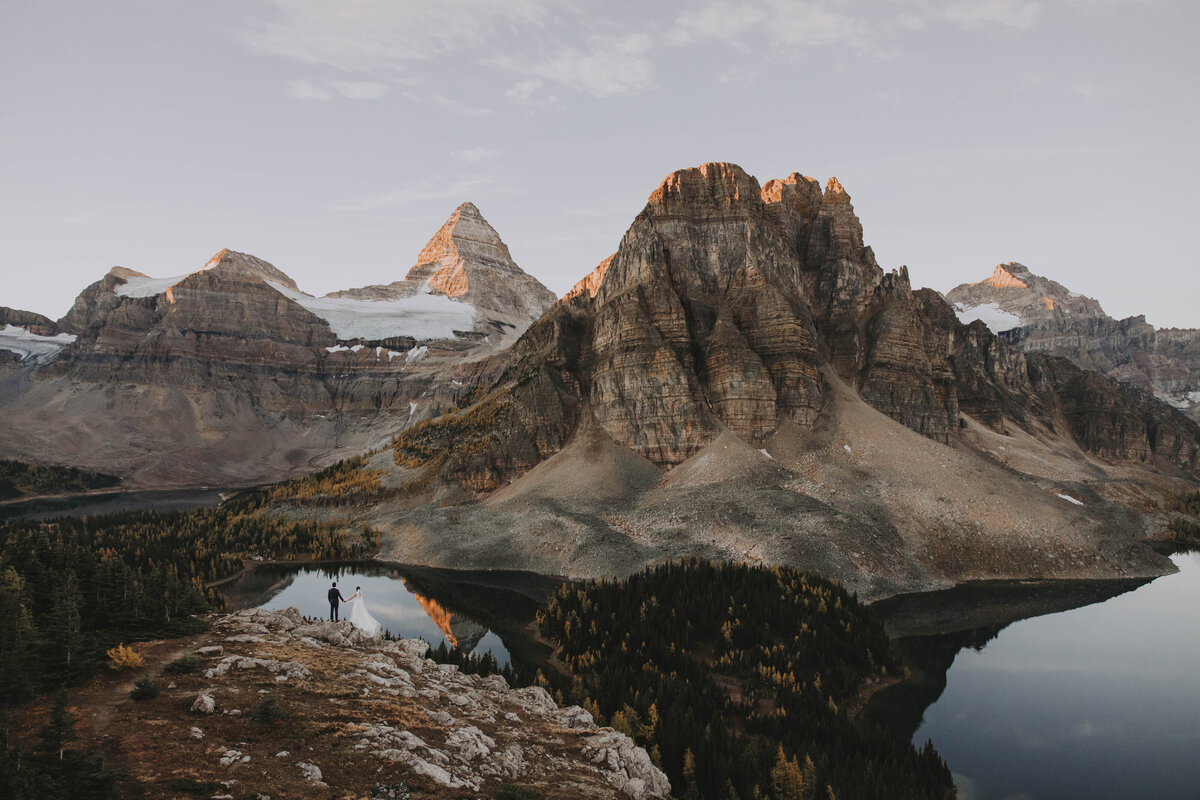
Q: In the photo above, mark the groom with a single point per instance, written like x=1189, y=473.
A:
x=334, y=597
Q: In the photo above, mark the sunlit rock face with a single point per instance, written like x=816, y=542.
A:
x=1039, y=315
x=590, y=283
x=721, y=309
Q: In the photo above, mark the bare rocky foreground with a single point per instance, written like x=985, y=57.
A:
x=360, y=718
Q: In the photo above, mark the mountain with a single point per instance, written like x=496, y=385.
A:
x=232, y=375
x=467, y=261
x=1041, y=316
x=746, y=382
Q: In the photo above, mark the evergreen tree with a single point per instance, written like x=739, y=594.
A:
x=64, y=636
x=17, y=640
x=59, y=730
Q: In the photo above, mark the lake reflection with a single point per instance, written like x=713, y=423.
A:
x=479, y=612
x=1097, y=702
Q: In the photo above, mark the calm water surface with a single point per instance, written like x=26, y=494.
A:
x=118, y=501
x=480, y=612
x=1098, y=702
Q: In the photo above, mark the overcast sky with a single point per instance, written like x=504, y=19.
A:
x=333, y=138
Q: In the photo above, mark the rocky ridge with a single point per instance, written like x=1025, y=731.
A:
x=1039, y=315
x=36, y=324
x=360, y=716
x=231, y=375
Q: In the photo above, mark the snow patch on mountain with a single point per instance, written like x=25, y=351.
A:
x=422, y=316
x=1182, y=402
x=16, y=339
x=146, y=287
x=992, y=315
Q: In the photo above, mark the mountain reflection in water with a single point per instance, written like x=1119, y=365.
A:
x=480, y=612
x=459, y=631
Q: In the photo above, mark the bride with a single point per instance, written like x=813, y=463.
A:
x=359, y=616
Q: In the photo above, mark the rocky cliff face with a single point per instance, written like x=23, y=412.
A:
x=232, y=375
x=1039, y=315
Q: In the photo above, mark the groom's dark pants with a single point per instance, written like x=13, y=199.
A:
x=333, y=611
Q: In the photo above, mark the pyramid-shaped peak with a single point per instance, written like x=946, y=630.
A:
x=464, y=235
x=243, y=266
x=464, y=228
x=1003, y=278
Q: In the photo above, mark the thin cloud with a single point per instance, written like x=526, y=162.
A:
x=459, y=107
x=449, y=103
x=360, y=90
x=474, y=155
x=303, y=90
x=721, y=21
x=526, y=93
x=369, y=35
x=787, y=26
x=607, y=66
x=592, y=47
x=776, y=23
x=982, y=13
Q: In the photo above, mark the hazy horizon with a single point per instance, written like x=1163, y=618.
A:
x=333, y=139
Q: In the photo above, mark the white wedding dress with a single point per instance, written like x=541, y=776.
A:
x=361, y=618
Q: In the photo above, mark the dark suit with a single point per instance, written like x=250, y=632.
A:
x=334, y=597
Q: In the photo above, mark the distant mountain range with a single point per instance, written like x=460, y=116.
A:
x=739, y=380
x=1041, y=316
x=232, y=375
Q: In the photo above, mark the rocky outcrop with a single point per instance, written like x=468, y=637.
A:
x=30, y=321
x=377, y=713
x=1039, y=315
